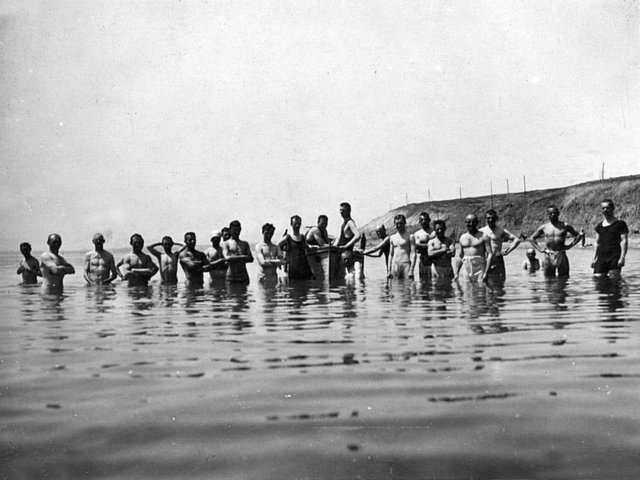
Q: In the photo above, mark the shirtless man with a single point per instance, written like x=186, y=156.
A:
x=475, y=252
x=99, y=265
x=441, y=250
x=193, y=262
x=53, y=266
x=268, y=255
x=555, y=234
x=168, y=259
x=382, y=248
x=497, y=235
x=422, y=237
x=237, y=253
x=351, y=262
x=318, y=241
x=531, y=264
x=137, y=266
x=29, y=267
x=402, y=255
x=218, y=264
x=612, y=241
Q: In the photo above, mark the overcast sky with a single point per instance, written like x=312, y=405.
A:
x=161, y=117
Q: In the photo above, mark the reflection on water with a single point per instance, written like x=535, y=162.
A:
x=374, y=378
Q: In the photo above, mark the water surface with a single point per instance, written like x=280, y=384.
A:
x=531, y=379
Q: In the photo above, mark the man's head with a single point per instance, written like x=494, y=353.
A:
x=440, y=227
x=345, y=210
x=296, y=221
x=531, y=253
x=381, y=231
x=54, y=241
x=268, y=231
x=167, y=243
x=400, y=221
x=553, y=213
x=424, y=220
x=471, y=221
x=98, y=241
x=226, y=234
x=137, y=242
x=607, y=207
x=491, y=217
x=25, y=249
x=234, y=229
x=323, y=221
x=215, y=237
x=190, y=240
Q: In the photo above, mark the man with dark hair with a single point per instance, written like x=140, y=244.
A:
x=268, y=255
x=497, y=235
x=441, y=249
x=351, y=262
x=422, y=237
x=612, y=240
x=193, y=262
x=168, y=259
x=555, y=234
x=319, y=241
x=29, y=267
x=294, y=244
x=138, y=266
x=402, y=255
x=237, y=253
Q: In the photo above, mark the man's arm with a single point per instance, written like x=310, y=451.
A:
x=113, y=270
x=150, y=268
x=377, y=248
x=624, y=245
x=188, y=261
x=487, y=245
x=153, y=251
x=515, y=241
x=533, y=239
x=458, y=262
x=86, y=271
x=434, y=252
x=390, y=260
x=595, y=248
x=413, y=255
x=576, y=236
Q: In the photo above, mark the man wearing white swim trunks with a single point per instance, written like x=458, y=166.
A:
x=475, y=252
x=402, y=254
x=555, y=234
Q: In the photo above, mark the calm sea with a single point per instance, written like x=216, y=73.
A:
x=535, y=379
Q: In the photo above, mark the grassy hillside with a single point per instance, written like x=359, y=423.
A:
x=522, y=213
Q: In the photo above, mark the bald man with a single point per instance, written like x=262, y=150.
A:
x=99, y=265
x=53, y=266
x=475, y=252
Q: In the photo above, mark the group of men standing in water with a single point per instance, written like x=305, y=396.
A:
x=315, y=255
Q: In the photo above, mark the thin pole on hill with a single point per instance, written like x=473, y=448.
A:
x=602, y=177
x=524, y=182
x=507, y=189
x=460, y=193
x=491, y=192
